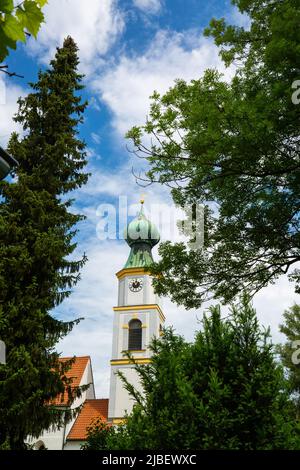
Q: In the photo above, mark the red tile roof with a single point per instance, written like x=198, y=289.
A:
x=75, y=372
x=91, y=409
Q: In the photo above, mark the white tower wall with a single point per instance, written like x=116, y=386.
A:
x=144, y=306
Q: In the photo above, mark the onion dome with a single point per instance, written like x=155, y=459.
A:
x=141, y=235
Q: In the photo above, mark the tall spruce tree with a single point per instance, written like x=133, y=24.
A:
x=37, y=230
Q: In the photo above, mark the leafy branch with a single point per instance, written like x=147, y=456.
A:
x=16, y=23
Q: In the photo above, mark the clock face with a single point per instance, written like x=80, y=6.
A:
x=135, y=285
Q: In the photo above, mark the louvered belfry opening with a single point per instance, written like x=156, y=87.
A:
x=135, y=335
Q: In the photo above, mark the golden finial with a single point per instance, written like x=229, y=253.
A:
x=142, y=200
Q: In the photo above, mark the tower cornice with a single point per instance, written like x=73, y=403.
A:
x=125, y=308
x=132, y=272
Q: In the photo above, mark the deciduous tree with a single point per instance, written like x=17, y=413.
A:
x=233, y=146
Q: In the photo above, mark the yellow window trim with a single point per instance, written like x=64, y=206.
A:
x=118, y=421
x=133, y=350
x=122, y=362
x=141, y=307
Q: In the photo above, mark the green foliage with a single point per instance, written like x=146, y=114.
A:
x=290, y=351
x=233, y=146
x=98, y=434
x=15, y=21
x=224, y=391
x=37, y=229
x=102, y=436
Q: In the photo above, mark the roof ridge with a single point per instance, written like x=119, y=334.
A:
x=95, y=399
x=77, y=357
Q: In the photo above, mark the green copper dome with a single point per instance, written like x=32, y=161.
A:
x=141, y=235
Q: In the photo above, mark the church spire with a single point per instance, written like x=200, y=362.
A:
x=138, y=317
x=141, y=235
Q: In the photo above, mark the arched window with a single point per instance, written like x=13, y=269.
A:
x=135, y=335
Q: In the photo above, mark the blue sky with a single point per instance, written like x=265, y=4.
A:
x=128, y=49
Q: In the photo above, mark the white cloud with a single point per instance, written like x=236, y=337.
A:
x=107, y=195
x=126, y=87
x=108, y=183
x=96, y=138
x=272, y=301
x=93, y=24
x=237, y=18
x=9, y=94
x=148, y=6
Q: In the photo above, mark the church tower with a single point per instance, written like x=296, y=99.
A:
x=137, y=317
